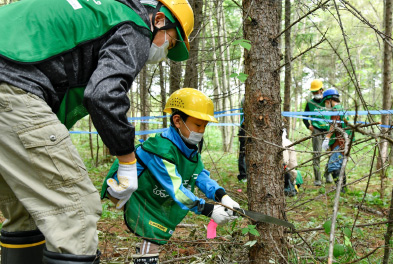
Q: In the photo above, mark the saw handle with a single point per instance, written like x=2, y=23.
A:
x=237, y=209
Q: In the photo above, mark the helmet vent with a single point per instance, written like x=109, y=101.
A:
x=177, y=102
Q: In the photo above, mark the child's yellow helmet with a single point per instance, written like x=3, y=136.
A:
x=193, y=103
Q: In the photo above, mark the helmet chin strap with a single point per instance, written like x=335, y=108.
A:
x=168, y=26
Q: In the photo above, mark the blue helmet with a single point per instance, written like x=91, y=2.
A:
x=331, y=93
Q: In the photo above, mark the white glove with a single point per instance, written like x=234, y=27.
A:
x=128, y=183
x=325, y=144
x=227, y=201
x=221, y=215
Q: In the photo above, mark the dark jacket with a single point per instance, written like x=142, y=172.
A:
x=107, y=66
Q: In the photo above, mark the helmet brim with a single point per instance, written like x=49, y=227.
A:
x=198, y=115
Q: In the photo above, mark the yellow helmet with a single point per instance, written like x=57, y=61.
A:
x=193, y=103
x=182, y=11
x=316, y=85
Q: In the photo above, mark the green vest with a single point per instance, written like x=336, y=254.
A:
x=338, y=107
x=318, y=107
x=151, y=212
x=79, y=21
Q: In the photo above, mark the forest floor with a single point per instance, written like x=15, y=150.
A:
x=310, y=209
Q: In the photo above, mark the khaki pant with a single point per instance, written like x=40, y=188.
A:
x=43, y=181
x=317, y=147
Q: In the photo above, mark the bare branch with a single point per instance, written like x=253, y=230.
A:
x=300, y=18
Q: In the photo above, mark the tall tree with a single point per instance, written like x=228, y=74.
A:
x=174, y=76
x=387, y=87
x=387, y=103
x=163, y=93
x=144, y=100
x=191, y=75
x=263, y=122
x=288, y=64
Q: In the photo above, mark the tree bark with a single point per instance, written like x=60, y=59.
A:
x=387, y=89
x=263, y=122
x=174, y=76
x=223, y=80
x=191, y=75
x=387, y=103
x=144, y=100
x=163, y=93
x=216, y=84
x=288, y=67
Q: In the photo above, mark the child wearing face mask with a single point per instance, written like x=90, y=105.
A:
x=335, y=139
x=169, y=168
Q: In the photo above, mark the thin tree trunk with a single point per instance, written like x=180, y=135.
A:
x=288, y=67
x=389, y=232
x=387, y=89
x=144, y=100
x=191, y=75
x=163, y=93
x=230, y=131
x=216, y=84
x=90, y=139
x=265, y=184
x=387, y=103
x=174, y=76
x=220, y=44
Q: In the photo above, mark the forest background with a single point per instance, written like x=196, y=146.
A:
x=346, y=44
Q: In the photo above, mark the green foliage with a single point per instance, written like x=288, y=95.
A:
x=243, y=42
x=241, y=76
x=108, y=213
x=327, y=226
x=250, y=229
x=338, y=250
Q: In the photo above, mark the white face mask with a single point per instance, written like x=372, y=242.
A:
x=194, y=138
x=158, y=54
x=318, y=96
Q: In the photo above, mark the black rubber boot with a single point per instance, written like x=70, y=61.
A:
x=23, y=247
x=59, y=258
x=146, y=259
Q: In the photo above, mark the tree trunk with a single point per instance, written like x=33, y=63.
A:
x=91, y=139
x=288, y=64
x=387, y=103
x=224, y=74
x=163, y=93
x=263, y=121
x=216, y=84
x=144, y=100
x=174, y=76
x=191, y=75
x=387, y=88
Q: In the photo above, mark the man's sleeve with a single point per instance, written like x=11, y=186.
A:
x=305, y=121
x=106, y=95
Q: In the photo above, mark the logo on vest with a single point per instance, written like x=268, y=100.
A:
x=161, y=193
x=157, y=225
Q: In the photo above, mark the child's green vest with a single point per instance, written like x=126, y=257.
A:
x=77, y=23
x=151, y=212
x=317, y=107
